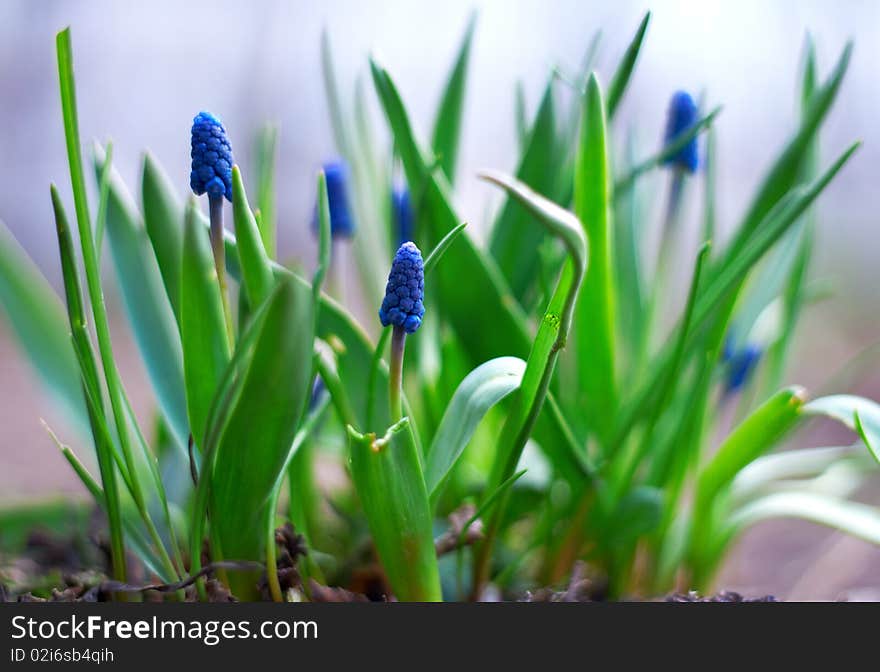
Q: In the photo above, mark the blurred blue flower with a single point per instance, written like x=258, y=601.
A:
x=403, y=214
x=403, y=305
x=741, y=366
x=211, y=158
x=341, y=220
x=681, y=116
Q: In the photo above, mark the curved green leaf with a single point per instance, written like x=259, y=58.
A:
x=625, y=68
x=255, y=268
x=481, y=389
x=859, y=414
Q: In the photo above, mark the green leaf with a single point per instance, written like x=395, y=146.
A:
x=481, y=389
x=256, y=435
x=551, y=337
x=146, y=303
x=859, y=520
x=756, y=435
x=625, y=68
x=390, y=485
x=859, y=414
x=447, y=126
x=787, y=168
x=787, y=465
x=255, y=267
x=162, y=218
x=458, y=301
x=36, y=317
x=267, y=155
x=202, y=324
x=514, y=237
x=594, y=330
x=89, y=384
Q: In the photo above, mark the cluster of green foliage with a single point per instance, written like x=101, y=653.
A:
x=550, y=400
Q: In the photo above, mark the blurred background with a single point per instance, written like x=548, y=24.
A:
x=144, y=69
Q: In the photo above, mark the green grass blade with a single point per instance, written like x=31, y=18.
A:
x=390, y=485
x=622, y=75
x=325, y=244
x=146, y=303
x=481, y=389
x=437, y=253
x=162, y=218
x=36, y=318
x=595, y=329
x=90, y=385
x=514, y=237
x=255, y=267
x=202, y=325
x=103, y=195
x=267, y=156
x=447, y=125
x=787, y=168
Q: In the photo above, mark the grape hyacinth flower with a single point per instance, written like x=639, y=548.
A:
x=741, y=366
x=681, y=116
x=341, y=220
x=403, y=309
x=211, y=174
x=403, y=214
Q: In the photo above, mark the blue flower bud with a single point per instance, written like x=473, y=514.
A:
x=341, y=221
x=403, y=214
x=211, y=158
x=741, y=366
x=403, y=305
x=682, y=115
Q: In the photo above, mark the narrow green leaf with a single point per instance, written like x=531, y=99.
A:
x=551, y=337
x=162, y=218
x=859, y=414
x=483, y=387
x=437, y=253
x=788, y=166
x=146, y=303
x=325, y=244
x=390, y=485
x=622, y=75
x=36, y=318
x=859, y=520
x=447, y=125
x=89, y=384
x=267, y=155
x=255, y=267
x=103, y=195
x=595, y=315
x=202, y=324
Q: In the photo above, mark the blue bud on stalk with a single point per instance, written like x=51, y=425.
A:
x=341, y=220
x=211, y=158
x=403, y=305
x=403, y=214
x=681, y=116
x=741, y=366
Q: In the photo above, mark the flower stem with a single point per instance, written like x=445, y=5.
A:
x=395, y=375
x=216, y=210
